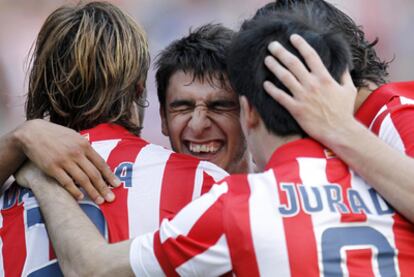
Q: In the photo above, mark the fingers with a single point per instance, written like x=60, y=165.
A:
x=310, y=56
x=280, y=96
x=103, y=168
x=284, y=75
x=346, y=80
x=290, y=61
x=95, y=184
x=67, y=183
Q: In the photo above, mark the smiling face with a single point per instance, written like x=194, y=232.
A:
x=202, y=120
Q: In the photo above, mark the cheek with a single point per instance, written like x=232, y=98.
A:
x=176, y=125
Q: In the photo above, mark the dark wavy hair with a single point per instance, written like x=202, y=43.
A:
x=201, y=53
x=367, y=65
x=89, y=66
x=247, y=71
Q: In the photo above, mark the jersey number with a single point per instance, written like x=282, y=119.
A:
x=34, y=217
x=335, y=239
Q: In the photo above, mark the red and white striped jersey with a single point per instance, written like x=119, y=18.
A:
x=308, y=214
x=157, y=183
x=389, y=113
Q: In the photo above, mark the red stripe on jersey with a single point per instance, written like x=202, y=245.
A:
x=403, y=121
x=208, y=182
x=298, y=229
x=52, y=254
x=380, y=97
x=359, y=263
x=376, y=125
x=337, y=172
x=184, y=248
x=238, y=229
x=116, y=213
x=404, y=242
x=162, y=258
x=14, y=241
x=177, y=185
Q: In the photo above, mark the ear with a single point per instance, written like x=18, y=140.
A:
x=249, y=114
x=164, y=127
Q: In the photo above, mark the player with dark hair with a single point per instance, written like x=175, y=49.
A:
x=307, y=214
x=89, y=70
x=198, y=108
x=386, y=109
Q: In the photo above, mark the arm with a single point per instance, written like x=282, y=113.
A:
x=80, y=248
x=324, y=109
x=62, y=154
x=11, y=157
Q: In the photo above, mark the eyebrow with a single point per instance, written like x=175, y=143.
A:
x=223, y=102
x=178, y=103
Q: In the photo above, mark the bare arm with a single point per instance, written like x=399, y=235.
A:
x=324, y=109
x=80, y=248
x=62, y=154
x=11, y=157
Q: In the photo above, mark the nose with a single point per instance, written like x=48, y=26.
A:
x=199, y=120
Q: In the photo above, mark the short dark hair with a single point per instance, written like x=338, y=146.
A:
x=367, y=65
x=247, y=71
x=201, y=53
x=89, y=63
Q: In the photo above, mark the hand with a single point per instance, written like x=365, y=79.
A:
x=318, y=103
x=67, y=157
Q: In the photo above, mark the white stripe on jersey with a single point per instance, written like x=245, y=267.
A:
x=206, y=167
x=213, y=170
x=144, y=195
x=212, y=262
x=37, y=240
x=390, y=135
x=308, y=167
x=142, y=257
x=188, y=217
x=405, y=100
x=105, y=147
x=263, y=199
x=383, y=108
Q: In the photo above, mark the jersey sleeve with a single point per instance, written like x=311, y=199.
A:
x=395, y=127
x=208, y=174
x=191, y=244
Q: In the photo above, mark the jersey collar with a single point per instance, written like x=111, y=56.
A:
x=107, y=131
x=301, y=148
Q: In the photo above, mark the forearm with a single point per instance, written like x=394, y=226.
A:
x=377, y=163
x=11, y=156
x=77, y=243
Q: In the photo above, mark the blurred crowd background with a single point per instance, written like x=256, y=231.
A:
x=167, y=20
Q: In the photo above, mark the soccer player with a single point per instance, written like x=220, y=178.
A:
x=307, y=214
x=89, y=70
x=198, y=108
x=386, y=109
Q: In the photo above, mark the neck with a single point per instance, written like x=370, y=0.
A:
x=363, y=93
x=263, y=144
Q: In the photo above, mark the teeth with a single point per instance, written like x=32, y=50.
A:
x=207, y=148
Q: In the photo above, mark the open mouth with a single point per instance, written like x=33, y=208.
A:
x=204, y=149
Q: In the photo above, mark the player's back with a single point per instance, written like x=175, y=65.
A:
x=309, y=215
x=157, y=183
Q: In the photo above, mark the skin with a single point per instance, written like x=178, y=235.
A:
x=62, y=154
x=202, y=120
x=328, y=117
x=81, y=250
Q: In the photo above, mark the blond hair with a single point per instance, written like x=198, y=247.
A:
x=89, y=66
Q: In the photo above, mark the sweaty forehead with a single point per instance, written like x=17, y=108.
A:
x=182, y=86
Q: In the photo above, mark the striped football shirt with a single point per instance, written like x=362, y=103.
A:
x=308, y=214
x=157, y=183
